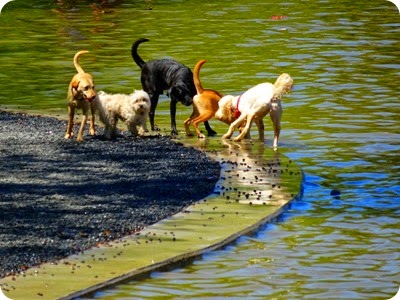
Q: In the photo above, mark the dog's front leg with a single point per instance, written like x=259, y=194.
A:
x=276, y=122
x=210, y=131
x=92, y=130
x=260, y=125
x=71, y=114
x=232, y=127
x=133, y=129
x=172, y=109
x=246, y=129
x=153, y=106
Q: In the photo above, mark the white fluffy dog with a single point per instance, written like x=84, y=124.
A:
x=254, y=105
x=132, y=109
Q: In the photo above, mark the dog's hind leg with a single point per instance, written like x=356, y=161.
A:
x=187, y=126
x=110, y=130
x=202, y=118
x=172, y=109
x=189, y=120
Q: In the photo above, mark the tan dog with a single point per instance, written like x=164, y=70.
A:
x=81, y=92
x=254, y=105
x=205, y=103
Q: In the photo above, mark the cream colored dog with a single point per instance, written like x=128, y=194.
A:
x=132, y=109
x=254, y=105
x=81, y=93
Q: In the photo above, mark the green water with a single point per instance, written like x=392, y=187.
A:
x=340, y=124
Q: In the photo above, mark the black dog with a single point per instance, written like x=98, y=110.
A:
x=166, y=74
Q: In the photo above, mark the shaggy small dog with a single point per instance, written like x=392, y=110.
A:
x=254, y=105
x=226, y=110
x=132, y=109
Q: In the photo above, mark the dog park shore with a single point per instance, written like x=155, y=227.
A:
x=59, y=197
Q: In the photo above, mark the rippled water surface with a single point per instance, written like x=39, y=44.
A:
x=340, y=124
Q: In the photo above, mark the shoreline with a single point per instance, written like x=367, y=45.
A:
x=59, y=197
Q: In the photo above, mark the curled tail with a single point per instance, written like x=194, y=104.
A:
x=76, y=61
x=196, y=78
x=138, y=60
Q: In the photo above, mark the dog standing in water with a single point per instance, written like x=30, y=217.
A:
x=205, y=103
x=254, y=105
x=166, y=74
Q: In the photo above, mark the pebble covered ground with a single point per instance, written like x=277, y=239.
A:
x=59, y=197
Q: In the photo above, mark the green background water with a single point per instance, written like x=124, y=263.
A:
x=340, y=124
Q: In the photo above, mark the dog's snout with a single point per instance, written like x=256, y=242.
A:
x=187, y=101
x=91, y=98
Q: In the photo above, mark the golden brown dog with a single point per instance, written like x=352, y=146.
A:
x=205, y=103
x=81, y=92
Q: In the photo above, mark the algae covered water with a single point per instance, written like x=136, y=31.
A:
x=340, y=124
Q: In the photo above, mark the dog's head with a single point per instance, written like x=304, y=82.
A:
x=226, y=110
x=283, y=85
x=82, y=86
x=181, y=93
x=140, y=102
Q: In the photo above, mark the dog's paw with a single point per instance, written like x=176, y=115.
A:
x=68, y=135
x=188, y=133
x=201, y=136
x=211, y=133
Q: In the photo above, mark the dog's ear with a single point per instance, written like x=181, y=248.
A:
x=173, y=92
x=74, y=86
x=180, y=93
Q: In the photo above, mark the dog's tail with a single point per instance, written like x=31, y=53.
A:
x=76, y=61
x=196, y=78
x=138, y=60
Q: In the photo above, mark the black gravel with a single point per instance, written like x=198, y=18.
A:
x=59, y=197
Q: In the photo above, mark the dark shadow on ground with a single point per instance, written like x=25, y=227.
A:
x=59, y=197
